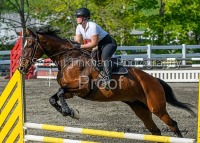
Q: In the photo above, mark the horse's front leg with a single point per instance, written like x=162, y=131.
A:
x=63, y=108
x=66, y=111
x=54, y=102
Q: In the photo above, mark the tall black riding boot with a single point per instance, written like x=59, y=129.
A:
x=107, y=67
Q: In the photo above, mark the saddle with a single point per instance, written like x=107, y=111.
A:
x=117, y=69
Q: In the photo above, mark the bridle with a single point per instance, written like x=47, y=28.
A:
x=24, y=60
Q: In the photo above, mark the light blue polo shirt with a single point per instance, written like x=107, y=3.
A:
x=90, y=30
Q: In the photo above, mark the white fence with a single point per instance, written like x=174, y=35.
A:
x=164, y=62
x=166, y=75
x=161, y=62
x=6, y=60
x=169, y=67
x=176, y=75
x=186, y=51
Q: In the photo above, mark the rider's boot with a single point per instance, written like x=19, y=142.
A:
x=107, y=67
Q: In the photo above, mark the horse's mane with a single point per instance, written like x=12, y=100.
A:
x=48, y=30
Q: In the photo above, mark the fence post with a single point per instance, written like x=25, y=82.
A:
x=183, y=53
x=149, y=54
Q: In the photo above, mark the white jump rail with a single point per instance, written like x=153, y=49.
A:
x=111, y=134
x=53, y=140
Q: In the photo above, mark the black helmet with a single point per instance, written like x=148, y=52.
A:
x=82, y=12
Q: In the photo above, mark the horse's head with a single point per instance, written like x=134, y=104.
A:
x=31, y=51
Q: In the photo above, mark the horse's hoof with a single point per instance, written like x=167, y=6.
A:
x=66, y=111
x=75, y=114
x=178, y=135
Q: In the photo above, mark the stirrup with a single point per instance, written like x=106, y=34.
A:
x=106, y=78
x=106, y=83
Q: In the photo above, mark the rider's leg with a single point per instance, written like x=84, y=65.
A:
x=107, y=52
x=107, y=67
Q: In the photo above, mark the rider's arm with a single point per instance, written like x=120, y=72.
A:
x=92, y=44
x=78, y=38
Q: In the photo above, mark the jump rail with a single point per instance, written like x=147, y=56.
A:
x=110, y=134
x=52, y=140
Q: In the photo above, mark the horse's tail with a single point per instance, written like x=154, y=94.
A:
x=171, y=99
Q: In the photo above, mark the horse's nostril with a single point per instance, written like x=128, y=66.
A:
x=20, y=69
x=23, y=61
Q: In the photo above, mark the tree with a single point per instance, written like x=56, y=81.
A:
x=108, y=14
x=174, y=22
x=21, y=7
x=57, y=13
x=183, y=17
x=163, y=20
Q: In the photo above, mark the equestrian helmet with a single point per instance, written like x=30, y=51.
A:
x=83, y=12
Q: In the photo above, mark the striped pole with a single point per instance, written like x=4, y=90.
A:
x=198, y=124
x=110, y=134
x=52, y=140
x=11, y=111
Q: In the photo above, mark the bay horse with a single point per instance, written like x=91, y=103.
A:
x=79, y=76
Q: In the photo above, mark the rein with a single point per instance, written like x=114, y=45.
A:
x=85, y=52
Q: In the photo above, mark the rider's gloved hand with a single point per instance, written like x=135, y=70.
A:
x=77, y=45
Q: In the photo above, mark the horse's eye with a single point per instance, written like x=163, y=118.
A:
x=30, y=43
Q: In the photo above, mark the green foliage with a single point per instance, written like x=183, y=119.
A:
x=6, y=47
x=164, y=21
x=184, y=17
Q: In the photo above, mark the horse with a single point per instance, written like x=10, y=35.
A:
x=79, y=76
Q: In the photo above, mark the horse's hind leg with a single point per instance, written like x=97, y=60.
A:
x=164, y=116
x=142, y=111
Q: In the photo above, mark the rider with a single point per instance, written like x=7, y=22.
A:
x=93, y=36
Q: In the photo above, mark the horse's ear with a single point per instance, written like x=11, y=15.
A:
x=30, y=32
